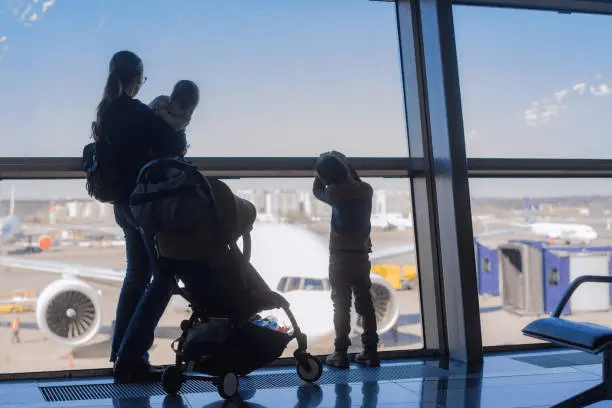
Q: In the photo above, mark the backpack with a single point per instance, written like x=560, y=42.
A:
x=190, y=217
x=104, y=181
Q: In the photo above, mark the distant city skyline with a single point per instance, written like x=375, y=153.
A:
x=479, y=188
x=296, y=78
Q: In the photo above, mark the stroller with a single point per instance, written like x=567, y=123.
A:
x=221, y=338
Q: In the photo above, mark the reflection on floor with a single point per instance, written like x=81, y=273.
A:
x=508, y=380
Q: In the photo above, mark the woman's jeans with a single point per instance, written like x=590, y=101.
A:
x=142, y=302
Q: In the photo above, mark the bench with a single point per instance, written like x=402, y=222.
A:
x=587, y=337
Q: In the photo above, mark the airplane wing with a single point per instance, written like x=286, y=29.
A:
x=29, y=231
x=106, y=229
x=18, y=301
x=65, y=269
x=391, y=251
x=513, y=230
x=405, y=249
x=39, y=230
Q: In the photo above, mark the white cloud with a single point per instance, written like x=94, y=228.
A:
x=552, y=110
x=47, y=4
x=580, y=88
x=531, y=117
x=3, y=39
x=600, y=90
x=25, y=12
x=561, y=94
x=547, y=108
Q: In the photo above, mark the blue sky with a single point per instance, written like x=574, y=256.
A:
x=296, y=78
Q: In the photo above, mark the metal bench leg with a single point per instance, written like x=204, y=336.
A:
x=606, y=370
x=600, y=392
x=584, y=399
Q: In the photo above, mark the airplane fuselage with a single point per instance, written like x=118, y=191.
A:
x=580, y=232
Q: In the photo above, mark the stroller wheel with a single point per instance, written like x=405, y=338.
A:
x=309, y=368
x=228, y=385
x=172, y=380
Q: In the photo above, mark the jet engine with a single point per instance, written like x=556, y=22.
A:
x=385, y=305
x=69, y=312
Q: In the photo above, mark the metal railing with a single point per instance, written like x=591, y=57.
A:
x=282, y=167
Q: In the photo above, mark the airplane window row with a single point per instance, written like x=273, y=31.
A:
x=288, y=284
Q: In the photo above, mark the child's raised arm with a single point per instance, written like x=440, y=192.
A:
x=318, y=189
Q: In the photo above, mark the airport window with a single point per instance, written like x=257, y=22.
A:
x=536, y=85
x=486, y=265
x=294, y=284
x=313, y=284
x=292, y=257
x=282, y=284
x=553, y=276
x=542, y=229
x=289, y=86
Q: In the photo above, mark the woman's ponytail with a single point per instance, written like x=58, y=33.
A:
x=113, y=88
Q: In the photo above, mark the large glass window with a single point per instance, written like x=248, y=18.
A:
x=532, y=238
x=277, y=78
x=534, y=83
x=51, y=230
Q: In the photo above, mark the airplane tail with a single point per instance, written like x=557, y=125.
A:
x=527, y=209
x=12, y=201
x=530, y=206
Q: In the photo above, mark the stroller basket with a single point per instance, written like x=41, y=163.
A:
x=240, y=350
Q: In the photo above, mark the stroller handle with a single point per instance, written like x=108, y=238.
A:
x=165, y=162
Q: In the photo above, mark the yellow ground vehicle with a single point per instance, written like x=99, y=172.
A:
x=397, y=276
x=15, y=308
x=18, y=301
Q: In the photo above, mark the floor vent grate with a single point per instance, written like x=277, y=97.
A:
x=83, y=392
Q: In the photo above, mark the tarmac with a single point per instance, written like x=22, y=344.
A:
x=35, y=353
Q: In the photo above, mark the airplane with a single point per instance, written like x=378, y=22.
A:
x=12, y=230
x=292, y=260
x=567, y=232
x=552, y=231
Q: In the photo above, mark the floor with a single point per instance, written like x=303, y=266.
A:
x=507, y=380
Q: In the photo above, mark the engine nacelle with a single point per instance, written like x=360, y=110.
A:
x=69, y=312
x=385, y=305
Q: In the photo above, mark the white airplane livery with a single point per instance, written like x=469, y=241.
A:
x=552, y=231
